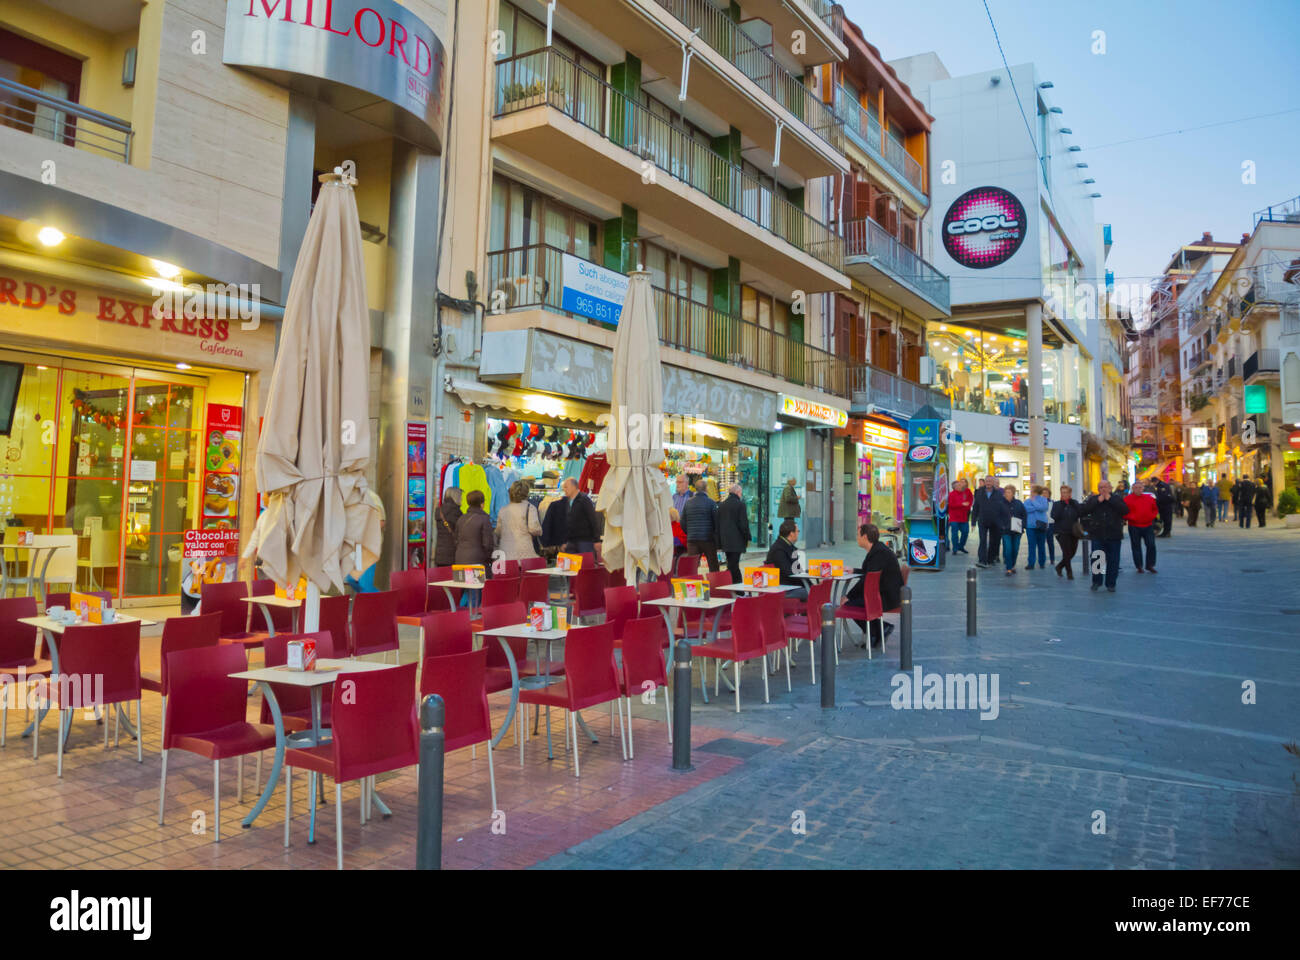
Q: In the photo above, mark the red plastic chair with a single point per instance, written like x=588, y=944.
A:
x=589, y=591
x=653, y=590
x=64, y=599
x=498, y=666
x=617, y=578
x=412, y=588
x=458, y=679
x=688, y=566
x=588, y=561
x=510, y=569
x=870, y=608
x=334, y=614
x=206, y=713
x=775, y=638
x=644, y=669
x=500, y=590
x=745, y=643
x=228, y=600
x=281, y=617
x=621, y=605
x=720, y=578
x=437, y=597
x=808, y=625
x=590, y=680
x=445, y=633
x=534, y=588
x=374, y=624
x=17, y=652
x=375, y=731
x=91, y=655
x=295, y=701
x=532, y=563
x=182, y=633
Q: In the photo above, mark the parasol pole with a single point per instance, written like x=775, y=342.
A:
x=311, y=608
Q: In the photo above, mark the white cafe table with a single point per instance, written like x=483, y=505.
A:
x=839, y=587
x=326, y=672
x=267, y=601
x=33, y=551
x=449, y=585
x=559, y=572
x=670, y=607
x=757, y=591
x=53, y=630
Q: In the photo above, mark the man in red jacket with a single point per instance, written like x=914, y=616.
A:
x=1142, y=512
x=959, y=501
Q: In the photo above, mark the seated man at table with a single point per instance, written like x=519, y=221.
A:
x=879, y=557
x=781, y=556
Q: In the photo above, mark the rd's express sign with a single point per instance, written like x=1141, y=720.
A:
x=818, y=413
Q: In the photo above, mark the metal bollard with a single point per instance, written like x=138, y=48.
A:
x=682, y=706
x=970, y=602
x=428, y=825
x=828, y=656
x=905, y=631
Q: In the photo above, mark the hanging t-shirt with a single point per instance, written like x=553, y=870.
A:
x=471, y=476
x=496, y=481
x=593, y=473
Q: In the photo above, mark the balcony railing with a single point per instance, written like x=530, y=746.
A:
x=533, y=276
x=1109, y=354
x=548, y=78
x=53, y=118
x=864, y=128
x=866, y=238
x=724, y=35
x=1115, y=431
x=872, y=385
x=1261, y=361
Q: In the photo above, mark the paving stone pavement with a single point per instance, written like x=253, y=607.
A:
x=1125, y=705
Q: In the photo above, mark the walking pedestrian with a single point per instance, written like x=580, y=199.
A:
x=1225, y=496
x=1142, y=510
x=444, y=550
x=985, y=511
x=581, y=525
x=1245, y=502
x=1051, y=526
x=1065, y=520
x=1104, y=513
x=683, y=492
x=700, y=518
x=959, y=504
x=1210, y=500
x=733, y=529
x=787, y=507
x=475, y=540
x=1192, y=503
x=1165, y=506
x=1037, y=508
x=518, y=523
x=1263, y=499
x=1011, y=521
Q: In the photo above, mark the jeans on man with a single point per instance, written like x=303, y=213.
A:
x=1243, y=517
x=1223, y=509
x=707, y=548
x=990, y=534
x=580, y=546
x=1010, y=549
x=1037, y=548
x=733, y=565
x=960, y=532
x=1139, y=537
x=1110, y=573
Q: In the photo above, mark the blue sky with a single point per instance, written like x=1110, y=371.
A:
x=1167, y=66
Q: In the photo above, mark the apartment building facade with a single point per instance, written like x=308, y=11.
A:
x=171, y=150
x=1117, y=335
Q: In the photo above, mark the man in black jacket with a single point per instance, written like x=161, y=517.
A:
x=1103, y=515
x=1165, y=504
x=733, y=530
x=879, y=558
x=781, y=556
x=700, y=521
x=580, y=521
x=1245, y=502
x=984, y=511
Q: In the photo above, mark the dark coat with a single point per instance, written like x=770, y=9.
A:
x=733, y=525
x=700, y=518
x=1263, y=496
x=999, y=514
x=1064, y=513
x=444, y=551
x=1104, y=520
x=1164, y=495
x=475, y=540
x=881, y=558
x=983, y=501
x=581, y=521
x=781, y=556
x=1245, y=494
x=555, y=524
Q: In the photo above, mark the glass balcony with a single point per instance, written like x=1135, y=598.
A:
x=546, y=77
x=533, y=276
x=724, y=35
x=870, y=385
x=864, y=129
x=27, y=109
x=867, y=241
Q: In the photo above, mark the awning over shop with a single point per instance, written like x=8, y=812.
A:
x=525, y=403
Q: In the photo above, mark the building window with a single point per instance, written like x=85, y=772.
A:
x=46, y=71
x=528, y=235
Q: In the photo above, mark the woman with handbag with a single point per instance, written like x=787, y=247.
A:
x=1065, y=516
x=518, y=524
x=1011, y=521
x=448, y=512
x=1036, y=510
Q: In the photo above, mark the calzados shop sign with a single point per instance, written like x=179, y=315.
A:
x=818, y=413
x=371, y=45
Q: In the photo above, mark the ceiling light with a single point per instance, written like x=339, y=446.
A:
x=1055, y=110
x=1095, y=196
x=182, y=366
x=50, y=236
x=1081, y=166
x=1066, y=130
x=1076, y=149
x=1046, y=85
x=166, y=270
x=1089, y=180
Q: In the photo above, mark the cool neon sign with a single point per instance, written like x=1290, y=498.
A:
x=984, y=227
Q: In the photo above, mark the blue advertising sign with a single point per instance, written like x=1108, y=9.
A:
x=592, y=291
x=922, y=441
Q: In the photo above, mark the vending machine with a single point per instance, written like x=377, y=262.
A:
x=925, y=491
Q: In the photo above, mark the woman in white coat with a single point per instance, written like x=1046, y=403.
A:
x=518, y=523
